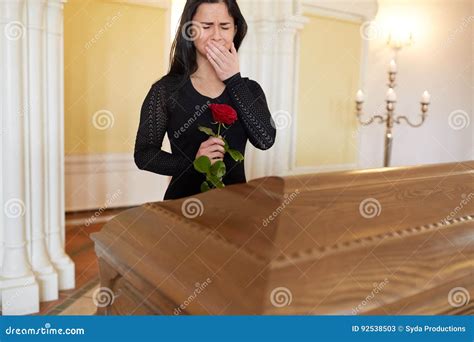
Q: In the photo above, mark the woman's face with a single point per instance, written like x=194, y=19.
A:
x=213, y=23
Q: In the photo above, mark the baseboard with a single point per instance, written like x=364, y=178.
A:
x=103, y=181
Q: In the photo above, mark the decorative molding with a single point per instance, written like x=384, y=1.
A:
x=357, y=11
x=165, y=4
x=323, y=251
x=99, y=163
x=95, y=181
x=362, y=11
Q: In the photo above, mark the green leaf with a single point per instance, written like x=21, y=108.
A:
x=205, y=187
x=215, y=181
x=226, y=146
x=206, y=130
x=236, y=155
x=202, y=164
x=218, y=169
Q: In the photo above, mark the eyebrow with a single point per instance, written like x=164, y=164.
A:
x=205, y=23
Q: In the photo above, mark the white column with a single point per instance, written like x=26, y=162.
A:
x=19, y=289
x=55, y=142
x=45, y=273
x=270, y=56
x=3, y=127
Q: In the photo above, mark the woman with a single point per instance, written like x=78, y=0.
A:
x=204, y=70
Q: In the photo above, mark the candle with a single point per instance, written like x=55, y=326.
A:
x=391, y=96
x=426, y=97
x=393, y=66
x=360, y=96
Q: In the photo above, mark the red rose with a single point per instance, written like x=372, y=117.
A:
x=223, y=113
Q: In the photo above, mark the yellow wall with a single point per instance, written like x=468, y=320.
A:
x=329, y=78
x=113, y=53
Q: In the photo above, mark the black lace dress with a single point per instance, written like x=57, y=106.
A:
x=175, y=107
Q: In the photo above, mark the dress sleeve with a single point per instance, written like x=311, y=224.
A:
x=148, y=154
x=252, y=109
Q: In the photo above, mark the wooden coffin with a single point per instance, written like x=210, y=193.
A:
x=386, y=241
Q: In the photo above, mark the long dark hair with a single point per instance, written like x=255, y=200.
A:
x=183, y=52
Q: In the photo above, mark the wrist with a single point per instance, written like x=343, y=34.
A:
x=237, y=77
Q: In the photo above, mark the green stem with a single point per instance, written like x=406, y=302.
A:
x=219, y=130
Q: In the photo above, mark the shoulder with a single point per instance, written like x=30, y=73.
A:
x=168, y=84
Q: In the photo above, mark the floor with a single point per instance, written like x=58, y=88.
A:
x=80, y=248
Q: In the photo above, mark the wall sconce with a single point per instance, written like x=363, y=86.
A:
x=398, y=39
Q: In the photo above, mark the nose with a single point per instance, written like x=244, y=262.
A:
x=216, y=34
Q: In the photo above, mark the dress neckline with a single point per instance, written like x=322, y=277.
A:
x=204, y=96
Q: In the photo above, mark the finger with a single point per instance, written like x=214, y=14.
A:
x=218, y=141
x=221, y=51
x=215, y=148
x=216, y=55
x=213, y=63
x=215, y=155
x=233, y=49
x=206, y=143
